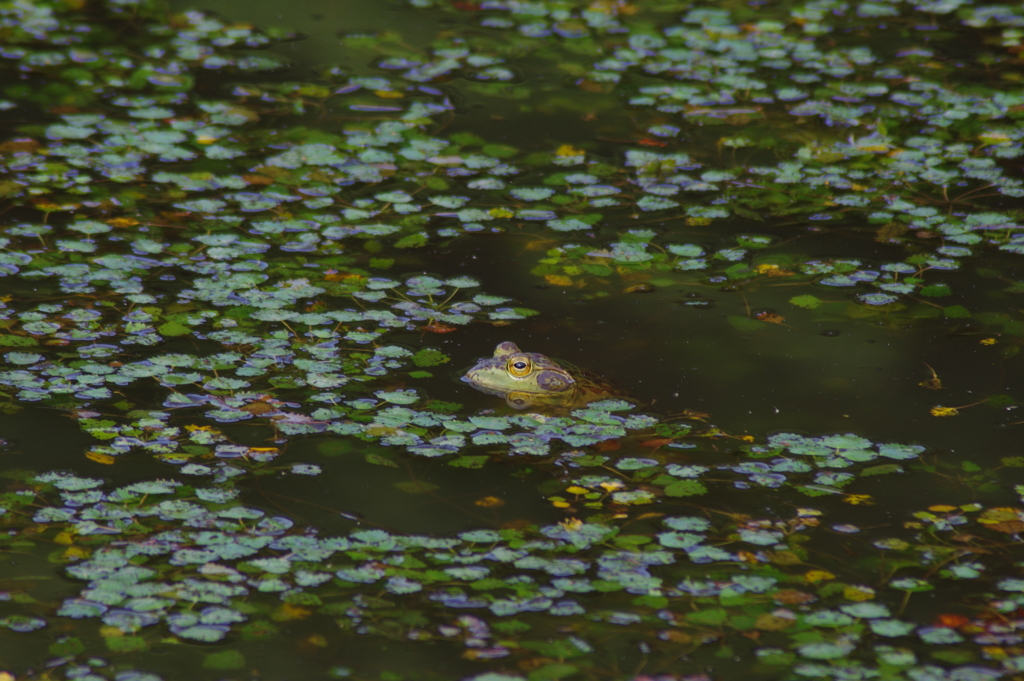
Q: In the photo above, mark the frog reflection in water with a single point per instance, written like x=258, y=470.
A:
x=529, y=379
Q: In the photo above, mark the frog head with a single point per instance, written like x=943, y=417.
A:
x=523, y=378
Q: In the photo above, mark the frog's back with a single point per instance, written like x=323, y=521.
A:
x=590, y=385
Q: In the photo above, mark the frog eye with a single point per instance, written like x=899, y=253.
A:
x=519, y=366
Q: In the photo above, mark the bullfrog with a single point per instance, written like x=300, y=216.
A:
x=530, y=379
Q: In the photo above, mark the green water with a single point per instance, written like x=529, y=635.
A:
x=250, y=248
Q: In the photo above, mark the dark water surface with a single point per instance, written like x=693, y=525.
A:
x=790, y=287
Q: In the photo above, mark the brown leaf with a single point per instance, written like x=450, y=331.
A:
x=770, y=317
x=438, y=327
x=657, y=442
x=17, y=145
x=675, y=636
x=890, y=231
x=769, y=622
x=793, y=597
x=783, y=558
x=1009, y=527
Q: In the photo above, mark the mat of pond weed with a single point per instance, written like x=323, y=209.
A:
x=244, y=266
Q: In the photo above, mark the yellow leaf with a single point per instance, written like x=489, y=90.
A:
x=100, y=458
x=698, y=222
x=576, y=489
x=122, y=222
x=611, y=485
x=859, y=499
x=110, y=632
x=388, y=94
x=75, y=553
x=942, y=508
x=557, y=280
x=858, y=593
x=944, y=411
x=994, y=137
x=988, y=341
x=205, y=139
x=489, y=502
x=64, y=538
x=561, y=504
x=500, y=213
x=567, y=150
x=748, y=557
x=572, y=524
x=815, y=576
x=998, y=515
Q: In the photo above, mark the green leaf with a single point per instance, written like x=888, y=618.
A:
x=807, y=302
x=469, y=461
x=552, y=671
x=18, y=341
x=686, y=488
x=174, y=329
x=224, y=660
x=378, y=460
x=712, y=618
x=500, y=150
x=936, y=291
x=884, y=469
x=126, y=644
x=1000, y=400
x=429, y=357
x=746, y=324
x=66, y=645
x=956, y=312
x=412, y=241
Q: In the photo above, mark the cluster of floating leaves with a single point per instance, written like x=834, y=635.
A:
x=815, y=466
x=692, y=580
x=229, y=221
x=918, y=149
x=896, y=146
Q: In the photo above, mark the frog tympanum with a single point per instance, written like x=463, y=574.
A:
x=529, y=379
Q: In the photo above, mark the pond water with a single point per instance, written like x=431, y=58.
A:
x=251, y=249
